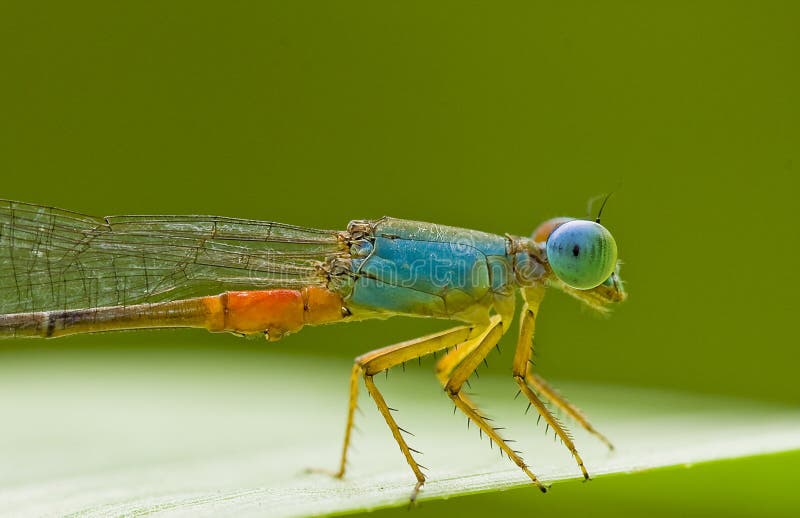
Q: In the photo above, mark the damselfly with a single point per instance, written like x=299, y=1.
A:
x=62, y=273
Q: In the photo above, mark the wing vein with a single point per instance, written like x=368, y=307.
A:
x=58, y=259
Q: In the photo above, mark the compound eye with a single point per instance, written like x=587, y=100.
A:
x=583, y=254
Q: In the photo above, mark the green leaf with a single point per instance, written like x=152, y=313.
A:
x=201, y=435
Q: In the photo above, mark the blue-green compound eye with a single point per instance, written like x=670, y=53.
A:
x=582, y=253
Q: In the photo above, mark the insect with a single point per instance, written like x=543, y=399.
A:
x=62, y=273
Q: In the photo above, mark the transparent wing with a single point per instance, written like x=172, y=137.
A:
x=55, y=259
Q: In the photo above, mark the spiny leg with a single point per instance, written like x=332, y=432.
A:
x=522, y=355
x=552, y=422
x=387, y=416
x=544, y=388
x=454, y=370
x=446, y=365
x=533, y=298
x=355, y=375
x=376, y=361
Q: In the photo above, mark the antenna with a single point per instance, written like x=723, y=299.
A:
x=600, y=212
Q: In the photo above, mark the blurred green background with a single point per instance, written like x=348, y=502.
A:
x=488, y=115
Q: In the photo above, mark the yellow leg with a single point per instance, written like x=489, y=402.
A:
x=523, y=375
x=544, y=388
x=376, y=361
x=352, y=406
x=453, y=371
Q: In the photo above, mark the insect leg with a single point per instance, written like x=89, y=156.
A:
x=543, y=387
x=461, y=363
x=533, y=298
x=527, y=324
x=376, y=361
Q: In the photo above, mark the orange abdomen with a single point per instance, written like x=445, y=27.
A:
x=273, y=312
